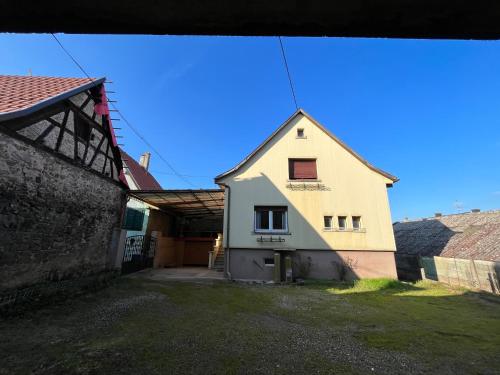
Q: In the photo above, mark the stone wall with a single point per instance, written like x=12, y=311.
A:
x=56, y=219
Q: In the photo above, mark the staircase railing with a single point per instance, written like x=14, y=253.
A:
x=212, y=255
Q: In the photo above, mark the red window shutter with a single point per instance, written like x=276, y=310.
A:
x=302, y=169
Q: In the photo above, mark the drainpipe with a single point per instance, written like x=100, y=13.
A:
x=228, y=217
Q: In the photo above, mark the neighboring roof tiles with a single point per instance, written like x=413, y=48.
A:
x=325, y=130
x=466, y=236
x=143, y=179
x=21, y=95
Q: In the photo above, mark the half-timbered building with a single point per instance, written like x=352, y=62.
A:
x=62, y=190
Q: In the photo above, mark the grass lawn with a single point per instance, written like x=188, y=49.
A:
x=139, y=326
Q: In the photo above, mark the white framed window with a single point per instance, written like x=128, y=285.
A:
x=328, y=222
x=342, y=220
x=271, y=219
x=356, y=223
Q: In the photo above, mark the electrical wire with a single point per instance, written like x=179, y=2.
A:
x=288, y=73
x=136, y=132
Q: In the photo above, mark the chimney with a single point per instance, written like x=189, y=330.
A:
x=475, y=210
x=144, y=160
x=438, y=214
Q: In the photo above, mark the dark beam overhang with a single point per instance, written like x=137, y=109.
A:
x=452, y=19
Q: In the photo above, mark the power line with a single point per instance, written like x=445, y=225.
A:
x=288, y=72
x=136, y=132
x=185, y=175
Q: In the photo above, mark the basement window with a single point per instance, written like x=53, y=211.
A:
x=269, y=262
x=328, y=222
x=271, y=219
x=302, y=169
x=342, y=222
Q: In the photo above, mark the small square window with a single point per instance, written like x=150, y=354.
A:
x=300, y=133
x=356, y=222
x=269, y=262
x=342, y=222
x=328, y=222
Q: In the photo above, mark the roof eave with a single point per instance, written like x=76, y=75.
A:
x=4, y=116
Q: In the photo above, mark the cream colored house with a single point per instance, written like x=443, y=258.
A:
x=305, y=195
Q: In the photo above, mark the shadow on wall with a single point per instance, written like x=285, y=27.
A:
x=426, y=238
x=312, y=256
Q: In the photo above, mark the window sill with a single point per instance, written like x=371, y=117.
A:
x=255, y=233
x=297, y=137
x=304, y=180
x=350, y=230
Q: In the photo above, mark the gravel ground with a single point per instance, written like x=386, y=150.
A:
x=141, y=326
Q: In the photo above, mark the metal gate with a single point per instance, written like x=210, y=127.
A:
x=139, y=253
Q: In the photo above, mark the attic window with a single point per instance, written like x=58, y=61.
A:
x=300, y=133
x=302, y=169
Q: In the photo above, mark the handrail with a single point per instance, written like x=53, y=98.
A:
x=215, y=252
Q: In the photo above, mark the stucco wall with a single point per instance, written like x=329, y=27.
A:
x=248, y=264
x=348, y=188
x=56, y=219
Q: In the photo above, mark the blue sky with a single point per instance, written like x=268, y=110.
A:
x=425, y=111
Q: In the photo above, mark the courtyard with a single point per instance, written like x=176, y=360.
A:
x=148, y=324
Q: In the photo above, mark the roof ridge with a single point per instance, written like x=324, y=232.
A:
x=493, y=211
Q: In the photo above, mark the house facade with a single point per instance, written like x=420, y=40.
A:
x=62, y=193
x=305, y=196
x=138, y=178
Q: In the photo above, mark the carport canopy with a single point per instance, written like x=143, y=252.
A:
x=199, y=202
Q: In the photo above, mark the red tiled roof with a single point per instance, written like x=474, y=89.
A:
x=22, y=92
x=143, y=179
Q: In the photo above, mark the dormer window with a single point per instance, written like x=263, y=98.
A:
x=300, y=133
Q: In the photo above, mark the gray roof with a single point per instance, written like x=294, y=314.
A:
x=468, y=236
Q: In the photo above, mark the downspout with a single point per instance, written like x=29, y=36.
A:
x=228, y=217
